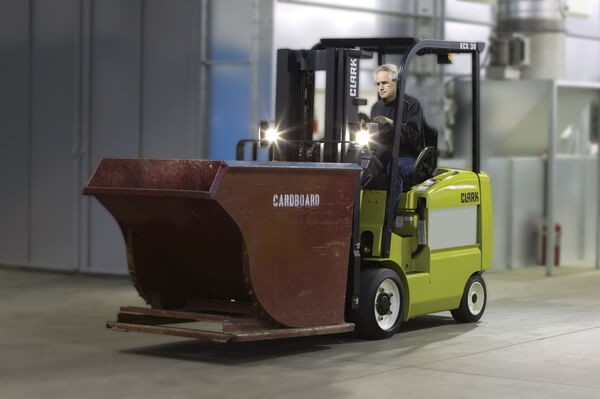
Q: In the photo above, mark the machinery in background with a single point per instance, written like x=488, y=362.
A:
x=529, y=40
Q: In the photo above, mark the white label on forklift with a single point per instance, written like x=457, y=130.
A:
x=452, y=227
x=296, y=200
x=353, y=77
x=399, y=221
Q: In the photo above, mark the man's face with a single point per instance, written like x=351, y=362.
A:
x=386, y=88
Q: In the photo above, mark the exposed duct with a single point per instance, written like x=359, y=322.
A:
x=529, y=40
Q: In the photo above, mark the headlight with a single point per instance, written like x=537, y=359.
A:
x=271, y=135
x=362, y=137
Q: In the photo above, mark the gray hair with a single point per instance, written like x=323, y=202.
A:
x=391, y=69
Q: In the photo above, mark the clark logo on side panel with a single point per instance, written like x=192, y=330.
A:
x=472, y=196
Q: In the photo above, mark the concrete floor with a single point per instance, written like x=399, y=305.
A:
x=539, y=338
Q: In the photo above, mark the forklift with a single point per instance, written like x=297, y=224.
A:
x=314, y=239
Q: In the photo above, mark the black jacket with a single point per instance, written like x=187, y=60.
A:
x=412, y=134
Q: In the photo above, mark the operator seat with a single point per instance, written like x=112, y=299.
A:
x=373, y=176
x=426, y=163
x=425, y=167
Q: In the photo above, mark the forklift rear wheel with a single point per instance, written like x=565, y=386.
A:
x=381, y=304
x=472, y=304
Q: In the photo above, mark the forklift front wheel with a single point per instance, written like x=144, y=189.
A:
x=472, y=304
x=381, y=304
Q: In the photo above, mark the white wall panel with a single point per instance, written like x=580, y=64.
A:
x=570, y=205
x=499, y=172
x=526, y=210
x=231, y=37
x=170, y=85
x=114, y=115
x=590, y=210
x=478, y=12
x=55, y=122
x=586, y=26
x=577, y=49
x=14, y=131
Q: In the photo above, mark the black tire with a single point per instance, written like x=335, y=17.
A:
x=472, y=305
x=381, y=304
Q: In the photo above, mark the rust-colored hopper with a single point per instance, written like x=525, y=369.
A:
x=232, y=250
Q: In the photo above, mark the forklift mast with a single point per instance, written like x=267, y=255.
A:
x=294, y=109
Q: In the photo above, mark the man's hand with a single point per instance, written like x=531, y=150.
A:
x=385, y=137
x=383, y=121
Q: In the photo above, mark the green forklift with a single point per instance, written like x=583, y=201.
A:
x=313, y=238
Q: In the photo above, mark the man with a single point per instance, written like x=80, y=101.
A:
x=412, y=139
x=386, y=80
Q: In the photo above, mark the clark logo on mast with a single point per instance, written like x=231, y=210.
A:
x=353, y=77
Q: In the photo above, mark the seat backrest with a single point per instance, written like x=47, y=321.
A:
x=431, y=135
x=424, y=167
